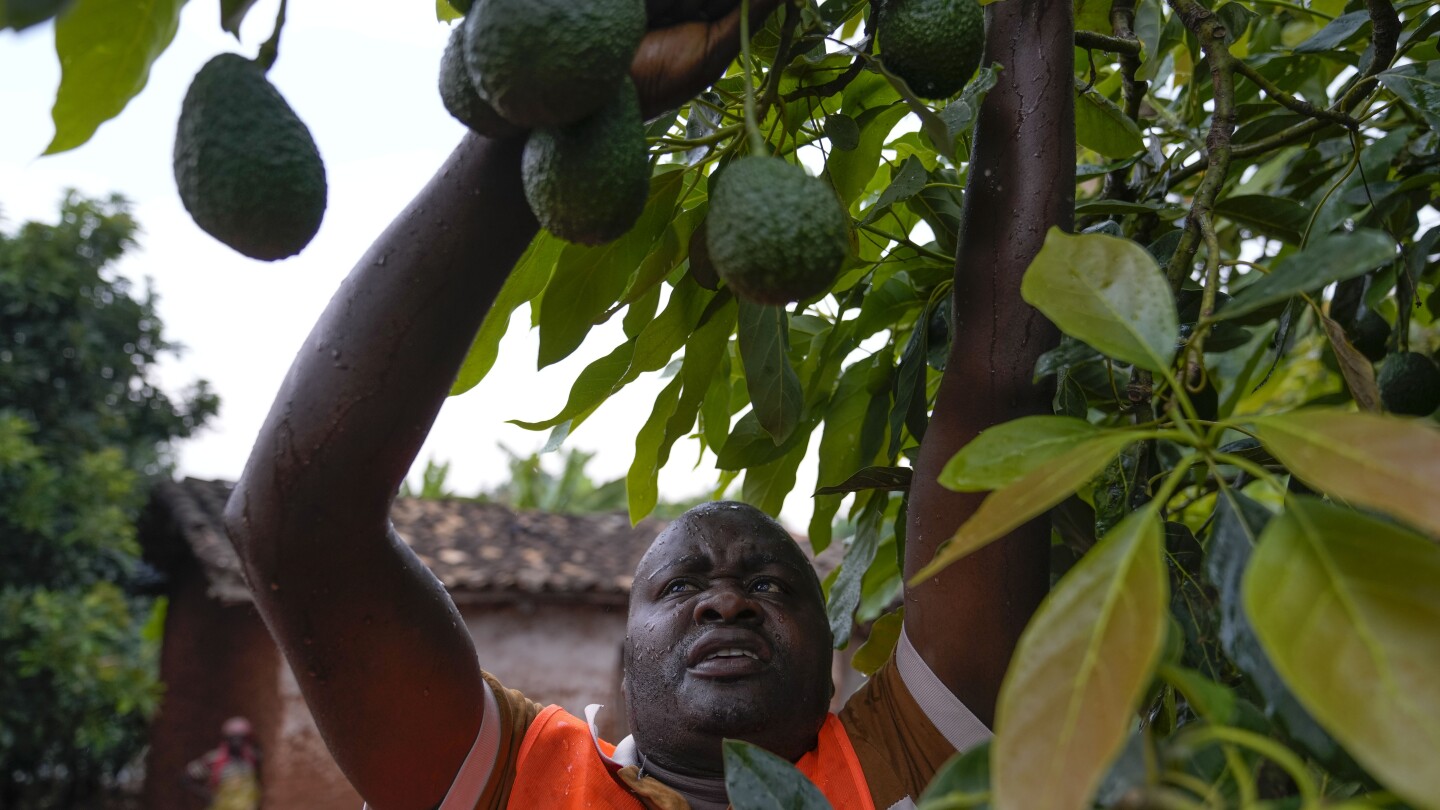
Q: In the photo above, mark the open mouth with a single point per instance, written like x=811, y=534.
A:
x=728, y=654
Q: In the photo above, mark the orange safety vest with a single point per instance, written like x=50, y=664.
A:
x=560, y=766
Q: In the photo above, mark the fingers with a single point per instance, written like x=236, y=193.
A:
x=678, y=61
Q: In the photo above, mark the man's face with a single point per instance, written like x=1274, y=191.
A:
x=727, y=637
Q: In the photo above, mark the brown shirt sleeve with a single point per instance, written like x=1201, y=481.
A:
x=899, y=748
x=517, y=712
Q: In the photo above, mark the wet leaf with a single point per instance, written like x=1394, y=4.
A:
x=1009, y=508
x=1346, y=607
x=756, y=779
x=1079, y=672
x=1107, y=292
x=1002, y=454
x=1381, y=462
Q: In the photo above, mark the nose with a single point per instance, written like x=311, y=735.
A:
x=726, y=603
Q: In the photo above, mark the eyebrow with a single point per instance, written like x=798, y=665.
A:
x=752, y=560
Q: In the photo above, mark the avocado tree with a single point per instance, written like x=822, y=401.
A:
x=1246, y=579
x=83, y=429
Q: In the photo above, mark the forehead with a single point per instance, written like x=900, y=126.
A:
x=722, y=535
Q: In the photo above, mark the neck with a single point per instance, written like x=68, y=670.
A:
x=702, y=792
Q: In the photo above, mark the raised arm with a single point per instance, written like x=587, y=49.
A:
x=965, y=621
x=376, y=645
x=379, y=650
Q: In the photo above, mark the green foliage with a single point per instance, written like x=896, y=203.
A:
x=756, y=779
x=1254, y=185
x=83, y=429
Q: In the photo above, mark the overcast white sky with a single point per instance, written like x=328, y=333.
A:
x=363, y=80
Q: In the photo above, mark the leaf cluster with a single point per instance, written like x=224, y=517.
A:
x=83, y=429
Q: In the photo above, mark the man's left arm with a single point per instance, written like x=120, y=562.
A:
x=965, y=622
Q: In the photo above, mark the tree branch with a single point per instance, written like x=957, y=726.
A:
x=1115, y=44
x=1211, y=32
x=1386, y=27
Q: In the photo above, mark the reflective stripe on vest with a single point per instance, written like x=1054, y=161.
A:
x=560, y=767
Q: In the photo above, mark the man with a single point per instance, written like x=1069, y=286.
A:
x=727, y=634
x=229, y=775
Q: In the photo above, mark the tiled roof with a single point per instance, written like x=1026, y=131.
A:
x=480, y=551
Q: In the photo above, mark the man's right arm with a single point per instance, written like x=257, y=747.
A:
x=380, y=652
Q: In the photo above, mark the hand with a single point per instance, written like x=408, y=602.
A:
x=688, y=47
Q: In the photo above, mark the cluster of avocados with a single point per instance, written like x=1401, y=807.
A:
x=776, y=234
x=556, y=72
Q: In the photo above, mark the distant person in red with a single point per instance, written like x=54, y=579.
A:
x=229, y=775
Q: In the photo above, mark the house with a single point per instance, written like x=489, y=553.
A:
x=547, y=592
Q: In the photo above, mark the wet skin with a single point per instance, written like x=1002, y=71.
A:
x=727, y=637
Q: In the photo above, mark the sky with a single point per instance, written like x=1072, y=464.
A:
x=364, y=82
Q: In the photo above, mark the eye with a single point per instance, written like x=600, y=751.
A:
x=678, y=586
x=766, y=585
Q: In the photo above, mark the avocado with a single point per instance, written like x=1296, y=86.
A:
x=588, y=182
x=544, y=63
x=934, y=45
x=248, y=171
x=1409, y=384
x=775, y=233
x=459, y=96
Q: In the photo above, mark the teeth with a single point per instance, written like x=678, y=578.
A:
x=732, y=652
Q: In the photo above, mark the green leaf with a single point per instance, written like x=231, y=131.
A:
x=1276, y=217
x=1011, y=507
x=906, y=184
x=884, y=634
x=756, y=779
x=1118, y=207
x=1417, y=84
x=1335, y=33
x=1105, y=128
x=1005, y=453
x=588, y=280
x=641, y=492
x=526, y=281
x=1092, y=15
x=840, y=444
x=1239, y=522
x=767, y=485
x=1330, y=258
x=774, y=387
x=850, y=170
x=592, y=386
x=1346, y=607
x=1107, y=292
x=21, y=14
x=106, y=48
x=960, y=782
x=909, y=396
x=890, y=479
x=1212, y=701
x=1080, y=670
x=232, y=13
x=843, y=132
x=444, y=12
x=705, y=353
x=845, y=593
x=1380, y=462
